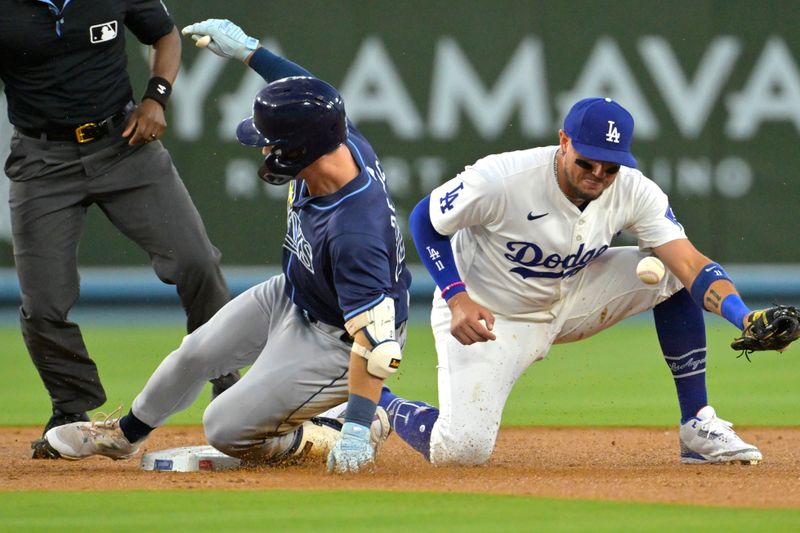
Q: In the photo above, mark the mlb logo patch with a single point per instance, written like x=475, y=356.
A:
x=100, y=33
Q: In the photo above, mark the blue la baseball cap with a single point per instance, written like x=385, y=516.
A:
x=602, y=130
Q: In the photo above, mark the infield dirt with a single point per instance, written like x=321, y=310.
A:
x=626, y=464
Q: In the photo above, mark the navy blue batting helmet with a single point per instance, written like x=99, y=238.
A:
x=302, y=118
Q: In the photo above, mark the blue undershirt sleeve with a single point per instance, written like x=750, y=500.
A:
x=273, y=67
x=434, y=250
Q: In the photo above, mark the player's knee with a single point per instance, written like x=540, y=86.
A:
x=221, y=433
x=221, y=441
x=465, y=447
x=231, y=434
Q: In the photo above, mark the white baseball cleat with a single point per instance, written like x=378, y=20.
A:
x=316, y=438
x=80, y=440
x=707, y=439
x=320, y=433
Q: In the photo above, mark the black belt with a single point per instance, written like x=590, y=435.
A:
x=344, y=337
x=81, y=134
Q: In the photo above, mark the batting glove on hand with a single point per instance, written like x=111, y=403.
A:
x=352, y=451
x=227, y=39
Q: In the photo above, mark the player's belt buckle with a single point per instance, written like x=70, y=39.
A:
x=82, y=135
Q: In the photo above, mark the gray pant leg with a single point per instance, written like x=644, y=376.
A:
x=233, y=338
x=144, y=197
x=301, y=371
x=47, y=199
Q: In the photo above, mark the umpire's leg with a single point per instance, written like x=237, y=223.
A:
x=47, y=216
x=148, y=202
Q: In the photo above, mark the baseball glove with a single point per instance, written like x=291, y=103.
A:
x=774, y=328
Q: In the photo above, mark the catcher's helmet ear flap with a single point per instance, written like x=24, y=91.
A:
x=301, y=118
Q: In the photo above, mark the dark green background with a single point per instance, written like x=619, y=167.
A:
x=325, y=37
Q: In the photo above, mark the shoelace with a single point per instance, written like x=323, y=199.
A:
x=100, y=419
x=718, y=423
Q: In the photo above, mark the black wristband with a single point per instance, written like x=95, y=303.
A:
x=158, y=89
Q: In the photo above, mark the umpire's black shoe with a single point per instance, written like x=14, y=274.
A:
x=41, y=449
x=223, y=383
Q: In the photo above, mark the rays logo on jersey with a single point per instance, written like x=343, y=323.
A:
x=529, y=255
x=446, y=201
x=296, y=243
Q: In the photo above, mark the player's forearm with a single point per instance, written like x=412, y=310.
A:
x=434, y=250
x=362, y=382
x=273, y=67
x=714, y=291
x=166, y=57
x=365, y=391
x=710, y=286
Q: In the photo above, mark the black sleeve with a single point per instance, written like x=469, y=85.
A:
x=149, y=20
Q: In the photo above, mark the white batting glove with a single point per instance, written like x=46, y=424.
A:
x=352, y=452
x=227, y=39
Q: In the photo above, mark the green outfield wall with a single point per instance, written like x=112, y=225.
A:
x=714, y=87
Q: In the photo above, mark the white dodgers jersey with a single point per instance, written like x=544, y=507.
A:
x=519, y=242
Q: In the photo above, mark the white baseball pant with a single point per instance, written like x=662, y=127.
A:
x=475, y=380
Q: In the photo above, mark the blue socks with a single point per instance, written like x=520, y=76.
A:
x=412, y=421
x=682, y=334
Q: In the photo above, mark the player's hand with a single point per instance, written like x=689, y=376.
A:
x=352, y=452
x=227, y=39
x=469, y=317
x=774, y=328
x=146, y=123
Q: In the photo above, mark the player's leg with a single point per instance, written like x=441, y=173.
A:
x=608, y=292
x=233, y=338
x=474, y=384
x=47, y=217
x=149, y=203
x=301, y=372
x=412, y=420
x=144, y=197
x=681, y=331
x=704, y=438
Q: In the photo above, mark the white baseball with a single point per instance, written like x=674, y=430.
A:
x=650, y=270
x=203, y=41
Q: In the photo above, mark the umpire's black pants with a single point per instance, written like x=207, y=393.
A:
x=52, y=185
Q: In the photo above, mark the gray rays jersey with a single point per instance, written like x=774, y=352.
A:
x=518, y=241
